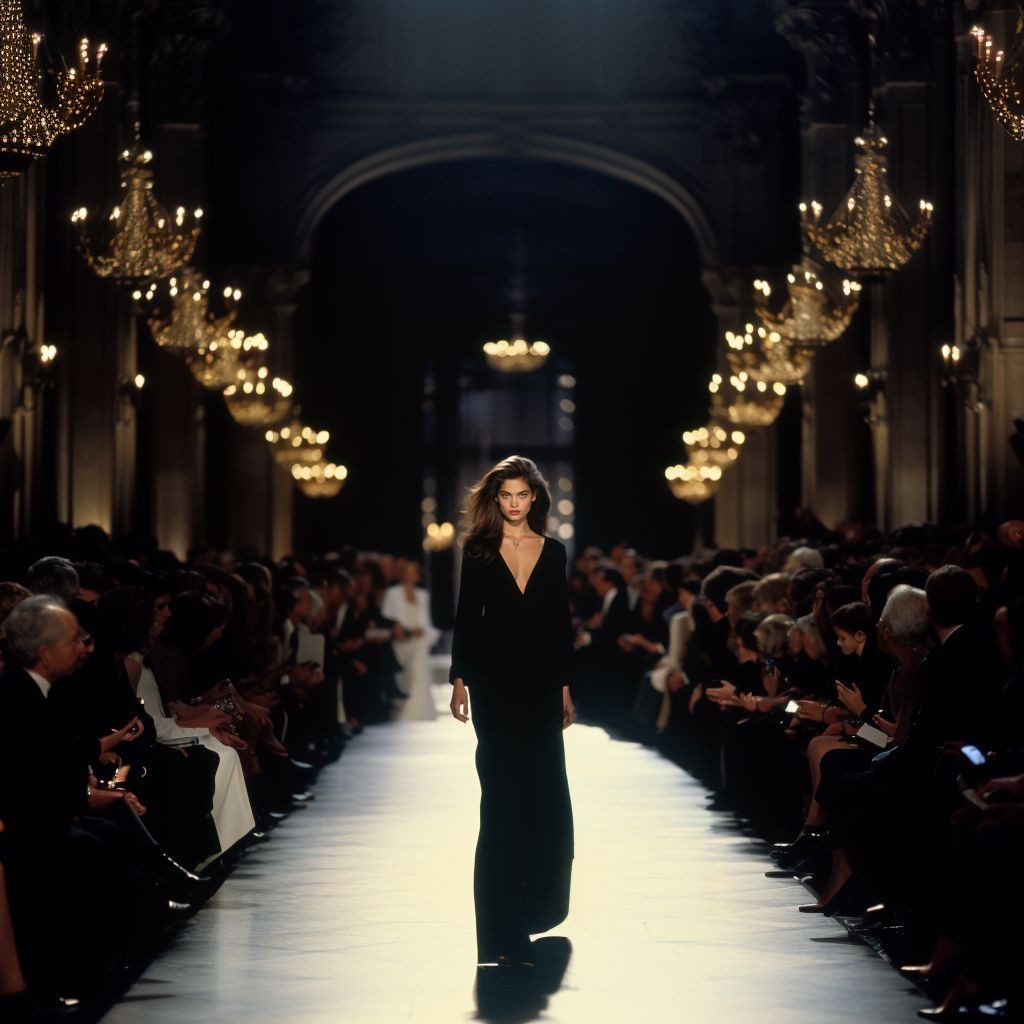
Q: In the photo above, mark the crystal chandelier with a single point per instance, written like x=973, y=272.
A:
x=746, y=402
x=142, y=242
x=693, y=484
x=216, y=365
x=765, y=356
x=713, y=445
x=28, y=127
x=809, y=319
x=870, y=232
x=256, y=400
x=439, y=536
x=192, y=325
x=998, y=78
x=320, y=479
x=297, y=444
x=516, y=356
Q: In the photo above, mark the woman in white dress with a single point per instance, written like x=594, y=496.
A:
x=232, y=811
x=409, y=606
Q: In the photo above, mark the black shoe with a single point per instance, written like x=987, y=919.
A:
x=179, y=882
x=303, y=798
x=809, y=838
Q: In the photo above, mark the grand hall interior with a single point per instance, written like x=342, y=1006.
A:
x=294, y=292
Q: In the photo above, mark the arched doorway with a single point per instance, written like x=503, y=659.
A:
x=410, y=270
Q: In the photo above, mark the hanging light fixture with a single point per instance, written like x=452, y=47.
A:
x=439, y=536
x=999, y=77
x=746, y=402
x=255, y=399
x=320, y=479
x=28, y=127
x=141, y=241
x=297, y=444
x=870, y=233
x=192, y=325
x=765, y=356
x=809, y=319
x=216, y=365
x=713, y=445
x=693, y=484
x=517, y=355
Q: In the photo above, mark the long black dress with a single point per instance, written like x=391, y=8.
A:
x=512, y=649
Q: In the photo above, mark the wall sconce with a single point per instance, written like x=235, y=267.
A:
x=129, y=397
x=36, y=366
x=961, y=371
x=870, y=385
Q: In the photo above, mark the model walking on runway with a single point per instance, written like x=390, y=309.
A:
x=511, y=650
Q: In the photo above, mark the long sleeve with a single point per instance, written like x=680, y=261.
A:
x=467, y=621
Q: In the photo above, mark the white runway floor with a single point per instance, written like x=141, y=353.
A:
x=360, y=908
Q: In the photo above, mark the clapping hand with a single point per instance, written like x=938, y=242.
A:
x=811, y=711
x=851, y=697
x=722, y=693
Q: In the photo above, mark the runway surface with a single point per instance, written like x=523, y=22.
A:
x=360, y=908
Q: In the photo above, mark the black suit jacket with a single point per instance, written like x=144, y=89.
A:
x=43, y=765
x=956, y=687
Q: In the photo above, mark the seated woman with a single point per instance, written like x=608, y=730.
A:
x=902, y=634
x=232, y=812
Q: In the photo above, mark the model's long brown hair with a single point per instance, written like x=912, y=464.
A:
x=483, y=523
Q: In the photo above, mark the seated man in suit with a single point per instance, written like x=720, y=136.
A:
x=70, y=892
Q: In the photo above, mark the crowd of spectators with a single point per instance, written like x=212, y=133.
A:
x=854, y=699
x=160, y=718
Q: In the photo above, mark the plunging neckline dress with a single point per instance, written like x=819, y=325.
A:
x=512, y=648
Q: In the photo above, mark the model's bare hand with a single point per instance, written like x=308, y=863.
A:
x=568, y=711
x=460, y=701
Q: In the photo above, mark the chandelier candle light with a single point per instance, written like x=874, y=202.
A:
x=28, y=127
x=693, y=484
x=297, y=444
x=216, y=365
x=256, y=400
x=142, y=242
x=713, y=445
x=192, y=325
x=516, y=356
x=809, y=319
x=319, y=480
x=765, y=356
x=870, y=233
x=746, y=402
x=998, y=76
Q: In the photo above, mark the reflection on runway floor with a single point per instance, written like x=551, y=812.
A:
x=360, y=908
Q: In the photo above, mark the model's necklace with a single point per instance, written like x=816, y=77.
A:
x=515, y=543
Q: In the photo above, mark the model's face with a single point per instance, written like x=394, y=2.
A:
x=514, y=500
